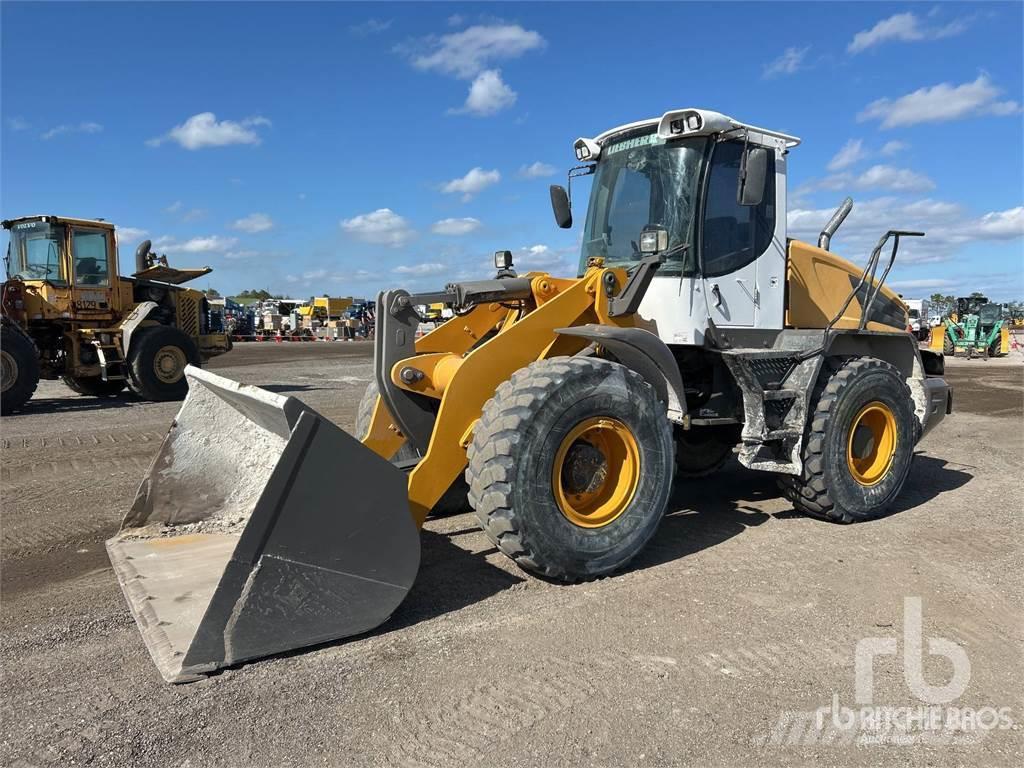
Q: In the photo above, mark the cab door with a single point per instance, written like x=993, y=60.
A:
x=91, y=249
x=732, y=238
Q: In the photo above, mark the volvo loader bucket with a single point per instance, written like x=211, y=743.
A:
x=261, y=527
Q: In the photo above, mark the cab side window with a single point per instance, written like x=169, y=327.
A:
x=89, y=249
x=733, y=234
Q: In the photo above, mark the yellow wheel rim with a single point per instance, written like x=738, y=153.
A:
x=871, y=445
x=596, y=472
x=169, y=364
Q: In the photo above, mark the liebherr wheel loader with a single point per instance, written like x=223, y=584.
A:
x=566, y=405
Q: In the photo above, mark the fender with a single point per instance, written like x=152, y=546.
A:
x=645, y=353
x=132, y=321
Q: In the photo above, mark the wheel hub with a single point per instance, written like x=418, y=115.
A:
x=8, y=370
x=596, y=472
x=871, y=447
x=169, y=364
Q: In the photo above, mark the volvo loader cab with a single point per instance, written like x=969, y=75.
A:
x=68, y=313
x=559, y=409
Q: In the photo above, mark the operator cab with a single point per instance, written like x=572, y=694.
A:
x=70, y=263
x=713, y=192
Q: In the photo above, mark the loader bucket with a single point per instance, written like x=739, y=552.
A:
x=261, y=527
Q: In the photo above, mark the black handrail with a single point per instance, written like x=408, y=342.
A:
x=867, y=276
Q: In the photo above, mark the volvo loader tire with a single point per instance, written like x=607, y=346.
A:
x=19, y=369
x=156, y=363
x=570, y=468
x=858, y=444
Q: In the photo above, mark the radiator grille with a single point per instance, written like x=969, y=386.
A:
x=188, y=315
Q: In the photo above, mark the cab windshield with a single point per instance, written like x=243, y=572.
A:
x=642, y=180
x=35, y=249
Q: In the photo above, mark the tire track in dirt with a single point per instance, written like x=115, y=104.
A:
x=63, y=442
x=470, y=729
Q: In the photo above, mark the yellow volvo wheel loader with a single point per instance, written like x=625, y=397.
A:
x=67, y=313
x=560, y=409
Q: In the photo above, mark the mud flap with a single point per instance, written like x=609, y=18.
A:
x=261, y=527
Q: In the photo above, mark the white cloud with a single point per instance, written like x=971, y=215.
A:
x=925, y=282
x=370, y=27
x=852, y=152
x=939, y=103
x=537, y=170
x=77, y=128
x=208, y=244
x=894, y=179
x=488, y=95
x=475, y=181
x=465, y=54
x=239, y=255
x=455, y=226
x=192, y=214
x=254, y=222
x=421, y=270
x=546, y=259
x=380, y=227
x=891, y=148
x=18, y=123
x=997, y=225
x=905, y=27
x=129, y=235
x=204, y=130
x=790, y=62
x=456, y=20
x=945, y=225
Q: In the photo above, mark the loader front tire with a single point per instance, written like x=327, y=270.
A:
x=570, y=468
x=454, y=500
x=858, y=444
x=20, y=368
x=157, y=360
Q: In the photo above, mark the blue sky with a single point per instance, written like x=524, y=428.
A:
x=342, y=148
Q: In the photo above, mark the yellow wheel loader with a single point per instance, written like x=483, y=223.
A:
x=67, y=313
x=694, y=328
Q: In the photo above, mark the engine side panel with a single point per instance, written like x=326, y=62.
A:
x=818, y=283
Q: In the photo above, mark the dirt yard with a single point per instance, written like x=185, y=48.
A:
x=716, y=648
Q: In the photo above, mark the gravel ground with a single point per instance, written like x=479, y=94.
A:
x=717, y=647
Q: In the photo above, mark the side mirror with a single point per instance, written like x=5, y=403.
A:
x=560, y=206
x=753, y=168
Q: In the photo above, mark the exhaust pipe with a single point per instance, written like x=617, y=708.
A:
x=142, y=256
x=834, y=223
x=261, y=527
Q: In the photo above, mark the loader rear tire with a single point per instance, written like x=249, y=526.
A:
x=454, y=500
x=701, y=451
x=947, y=346
x=20, y=369
x=570, y=468
x=156, y=363
x=858, y=443
x=94, y=386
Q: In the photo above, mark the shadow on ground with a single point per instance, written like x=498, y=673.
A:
x=47, y=405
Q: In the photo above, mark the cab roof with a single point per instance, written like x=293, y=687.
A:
x=8, y=223
x=682, y=123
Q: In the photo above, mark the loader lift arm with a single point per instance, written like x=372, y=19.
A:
x=457, y=368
